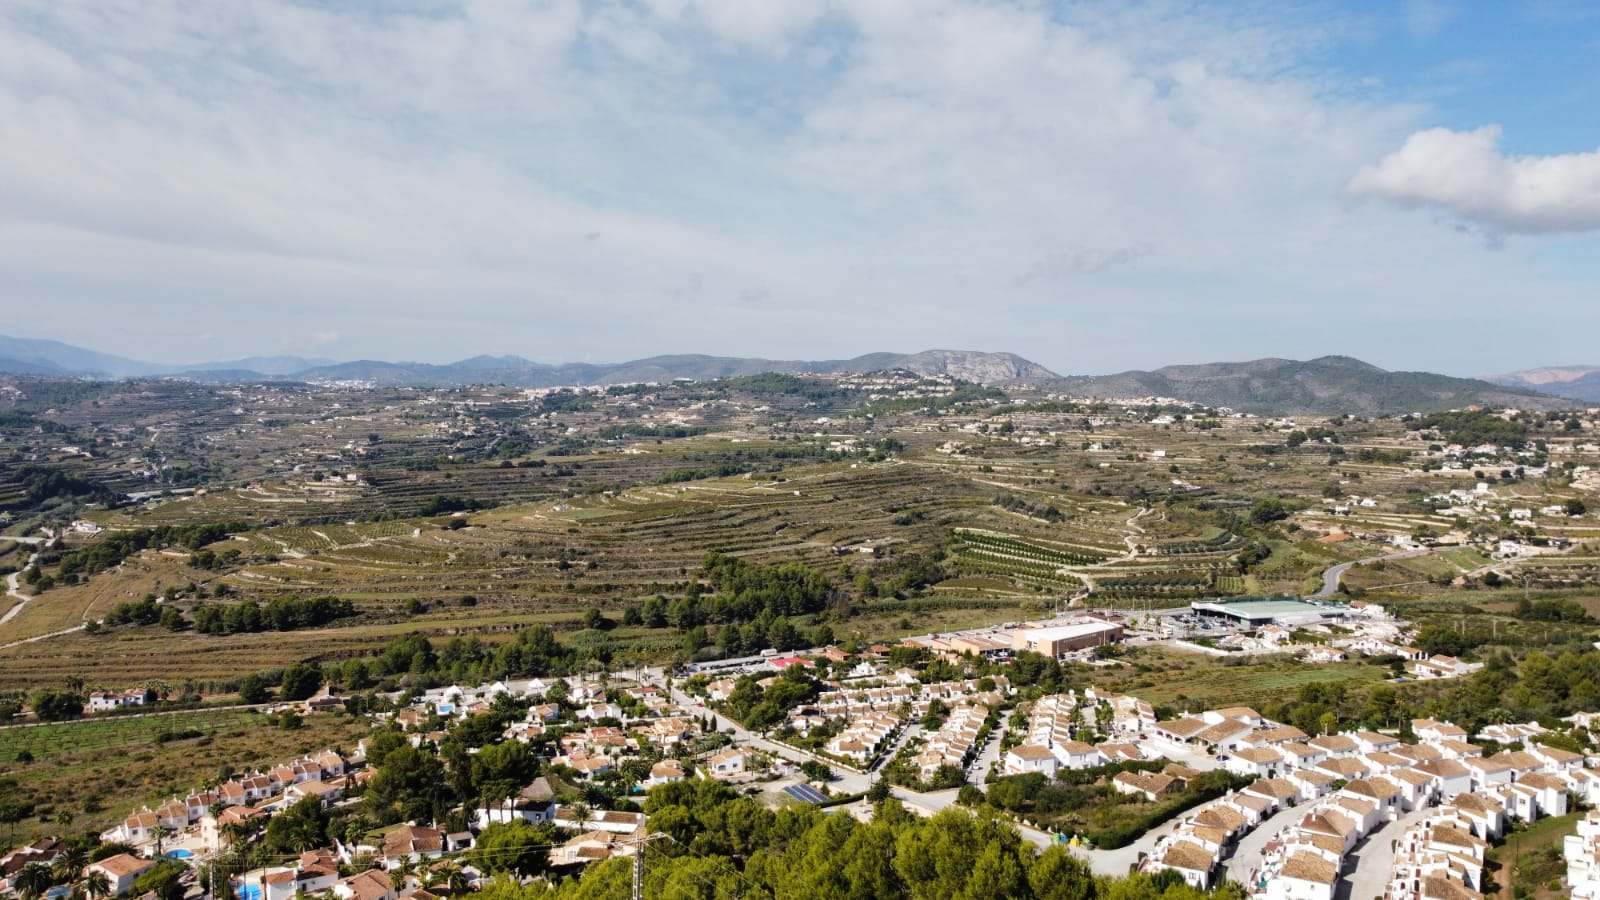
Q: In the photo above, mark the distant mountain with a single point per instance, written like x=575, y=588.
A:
x=277, y=366
x=1326, y=386
x=1573, y=382
x=27, y=356
x=987, y=368
x=1330, y=385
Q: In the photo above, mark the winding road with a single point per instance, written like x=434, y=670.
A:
x=1330, y=578
x=13, y=581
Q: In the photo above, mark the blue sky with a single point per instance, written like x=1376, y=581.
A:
x=1096, y=186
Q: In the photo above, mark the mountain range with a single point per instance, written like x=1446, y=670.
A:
x=1328, y=385
x=1573, y=382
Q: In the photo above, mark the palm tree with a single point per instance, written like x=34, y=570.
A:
x=580, y=810
x=68, y=864
x=96, y=885
x=34, y=880
x=398, y=874
x=160, y=833
x=449, y=876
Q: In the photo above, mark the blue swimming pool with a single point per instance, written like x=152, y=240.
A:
x=179, y=853
x=250, y=892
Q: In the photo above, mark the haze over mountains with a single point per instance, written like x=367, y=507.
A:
x=1573, y=382
x=1328, y=385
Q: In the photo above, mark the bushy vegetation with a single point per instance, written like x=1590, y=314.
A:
x=116, y=547
x=1473, y=427
x=279, y=614
x=1083, y=801
x=724, y=845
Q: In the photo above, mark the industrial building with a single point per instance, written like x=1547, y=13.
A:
x=1286, y=612
x=1059, y=640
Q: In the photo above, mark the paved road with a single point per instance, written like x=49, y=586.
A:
x=1247, y=853
x=1330, y=578
x=1366, y=869
x=14, y=586
x=845, y=780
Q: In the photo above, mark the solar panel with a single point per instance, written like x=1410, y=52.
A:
x=804, y=793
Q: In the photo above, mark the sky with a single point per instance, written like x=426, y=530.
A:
x=1096, y=186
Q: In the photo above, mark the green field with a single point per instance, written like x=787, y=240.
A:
x=45, y=742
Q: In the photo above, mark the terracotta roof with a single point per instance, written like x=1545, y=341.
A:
x=1222, y=731
x=1334, y=743
x=1032, y=751
x=122, y=865
x=1186, y=727
x=1221, y=817
x=1449, y=834
x=1276, y=788
x=409, y=839
x=1440, y=887
x=369, y=885
x=1325, y=842
x=1444, y=768
x=1188, y=855
x=1255, y=803
x=1328, y=822
x=1281, y=734
x=1376, y=788
x=1310, y=867
x=1211, y=834
x=1541, y=780
x=1556, y=754
x=1344, y=767
x=1517, y=759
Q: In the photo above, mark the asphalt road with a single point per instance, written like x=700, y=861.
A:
x=1366, y=869
x=1330, y=578
x=1247, y=854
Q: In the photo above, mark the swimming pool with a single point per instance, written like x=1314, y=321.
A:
x=179, y=853
x=249, y=892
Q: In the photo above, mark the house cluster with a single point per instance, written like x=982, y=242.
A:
x=643, y=716
x=1196, y=846
x=106, y=701
x=1384, y=778
x=956, y=741
x=324, y=776
x=873, y=713
x=1582, y=852
x=1278, y=639
x=1382, y=639
x=1443, y=855
x=1354, y=782
x=1056, y=722
x=43, y=851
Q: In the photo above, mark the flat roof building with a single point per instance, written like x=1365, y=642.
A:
x=1256, y=613
x=1058, y=640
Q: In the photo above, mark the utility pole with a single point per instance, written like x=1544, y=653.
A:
x=639, y=844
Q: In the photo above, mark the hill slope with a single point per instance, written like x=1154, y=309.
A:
x=31, y=357
x=1328, y=385
x=1573, y=382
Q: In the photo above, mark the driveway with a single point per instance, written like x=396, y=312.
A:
x=1247, y=853
x=1366, y=869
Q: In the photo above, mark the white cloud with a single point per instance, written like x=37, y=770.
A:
x=599, y=180
x=1465, y=174
x=1082, y=260
x=1426, y=18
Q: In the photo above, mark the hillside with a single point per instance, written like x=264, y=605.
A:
x=1328, y=385
x=32, y=357
x=1573, y=382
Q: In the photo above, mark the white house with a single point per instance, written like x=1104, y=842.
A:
x=1025, y=758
